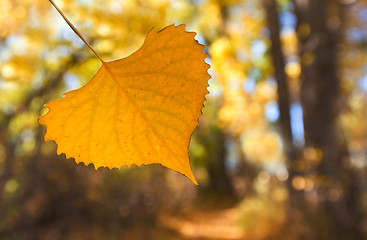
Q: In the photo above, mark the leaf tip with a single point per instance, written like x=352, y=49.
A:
x=191, y=177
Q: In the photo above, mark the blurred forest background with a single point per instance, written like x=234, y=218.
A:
x=280, y=152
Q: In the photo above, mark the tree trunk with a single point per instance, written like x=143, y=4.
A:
x=282, y=90
x=320, y=90
x=297, y=202
x=219, y=181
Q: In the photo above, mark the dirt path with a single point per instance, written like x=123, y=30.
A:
x=206, y=223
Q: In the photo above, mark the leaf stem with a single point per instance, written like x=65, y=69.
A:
x=76, y=30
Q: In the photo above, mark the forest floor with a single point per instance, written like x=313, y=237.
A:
x=205, y=224
x=205, y=221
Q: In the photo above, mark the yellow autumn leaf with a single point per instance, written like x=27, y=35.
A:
x=141, y=109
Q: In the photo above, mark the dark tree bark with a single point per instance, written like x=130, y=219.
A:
x=280, y=76
x=219, y=181
x=214, y=143
x=282, y=90
x=318, y=39
x=296, y=198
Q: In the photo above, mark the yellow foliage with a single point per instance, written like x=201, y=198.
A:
x=289, y=42
x=18, y=69
x=268, y=150
x=293, y=69
x=137, y=110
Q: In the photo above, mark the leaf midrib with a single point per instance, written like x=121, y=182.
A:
x=105, y=65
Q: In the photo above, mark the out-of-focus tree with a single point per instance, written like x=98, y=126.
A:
x=319, y=33
x=320, y=27
x=236, y=37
